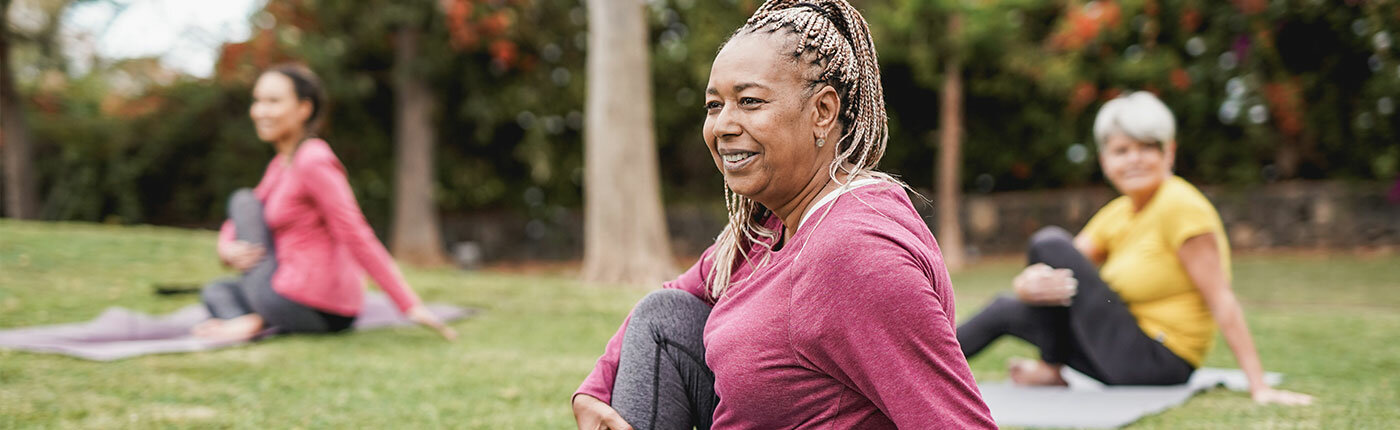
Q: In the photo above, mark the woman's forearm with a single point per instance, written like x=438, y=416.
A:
x=1230, y=317
x=1201, y=258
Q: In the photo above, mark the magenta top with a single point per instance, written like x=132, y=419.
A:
x=849, y=325
x=320, y=237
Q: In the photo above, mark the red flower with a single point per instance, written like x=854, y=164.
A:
x=504, y=51
x=1251, y=7
x=1190, y=20
x=496, y=24
x=1180, y=79
x=1083, y=94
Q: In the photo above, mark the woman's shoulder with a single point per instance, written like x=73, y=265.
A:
x=1179, y=194
x=876, y=220
x=314, y=152
x=872, y=248
x=866, y=211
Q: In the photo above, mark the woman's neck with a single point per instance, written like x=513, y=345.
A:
x=288, y=146
x=791, y=213
x=1142, y=198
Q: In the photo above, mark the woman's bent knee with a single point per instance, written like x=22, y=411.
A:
x=667, y=301
x=1003, y=304
x=670, y=308
x=217, y=291
x=243, y=197
x=1051, y=236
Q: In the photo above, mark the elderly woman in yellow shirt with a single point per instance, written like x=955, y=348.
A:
x=1147, y=314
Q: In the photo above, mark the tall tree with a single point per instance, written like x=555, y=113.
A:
x=16, y=145
x=625, y=239
x=950, y=125
x=417, y=236
x=937, y=50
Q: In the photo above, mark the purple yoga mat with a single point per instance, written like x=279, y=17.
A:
x=122, y=333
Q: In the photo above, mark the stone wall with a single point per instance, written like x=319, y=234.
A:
x=1334, y=214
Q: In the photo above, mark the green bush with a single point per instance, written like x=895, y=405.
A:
x=1263, y=91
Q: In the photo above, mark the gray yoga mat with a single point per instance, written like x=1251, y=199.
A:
x=123, y=333
x=1086, y=403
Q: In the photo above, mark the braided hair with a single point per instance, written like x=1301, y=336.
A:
x=832, y=38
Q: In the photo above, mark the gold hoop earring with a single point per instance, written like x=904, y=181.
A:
x=820, y=142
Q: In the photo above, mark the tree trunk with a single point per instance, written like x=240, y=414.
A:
x=21, y=186
x=1286, y=159
x=416, y=237
x=950, y=239
x=625, y=239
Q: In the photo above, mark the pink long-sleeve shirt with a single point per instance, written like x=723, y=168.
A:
x=849, y=325
x=320, y=237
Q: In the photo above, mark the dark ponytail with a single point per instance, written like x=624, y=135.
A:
x=308, y=87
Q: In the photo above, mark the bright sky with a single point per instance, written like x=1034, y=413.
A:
x=185, y=34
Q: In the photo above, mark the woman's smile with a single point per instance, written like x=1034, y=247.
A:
x=738, y=160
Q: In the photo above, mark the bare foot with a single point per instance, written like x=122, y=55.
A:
x=237, y=329
x=1035, y=372
x=202, y=329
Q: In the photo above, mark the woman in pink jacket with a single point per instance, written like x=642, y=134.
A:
x=298, y=240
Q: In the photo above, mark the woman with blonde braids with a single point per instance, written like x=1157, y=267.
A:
x=825, y=302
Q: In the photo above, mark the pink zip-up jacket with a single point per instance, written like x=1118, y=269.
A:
x=322, y=241
x=848, y=326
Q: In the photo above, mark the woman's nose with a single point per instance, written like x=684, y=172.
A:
x=1135, y=155
x=725, y=123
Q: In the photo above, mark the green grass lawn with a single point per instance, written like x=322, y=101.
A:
x=1329, y=322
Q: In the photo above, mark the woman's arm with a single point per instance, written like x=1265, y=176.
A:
x=1200, y=256
x=871, y=318
x=328, y=187
x=596, y=388
x=1091, y=250
x=235, y=253
x=323, y=175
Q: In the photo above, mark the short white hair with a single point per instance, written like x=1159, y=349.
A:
x=1140, y=116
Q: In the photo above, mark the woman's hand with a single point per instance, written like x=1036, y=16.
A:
x=424, y=317
x=593, y=414
x=1268, y=395
x=241, y=255
x=1042, y=285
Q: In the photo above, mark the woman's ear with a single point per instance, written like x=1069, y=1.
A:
x=304, y=110
x=826, y=112
x=1169, y=154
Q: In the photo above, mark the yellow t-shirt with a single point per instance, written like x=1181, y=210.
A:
x=1143, y=268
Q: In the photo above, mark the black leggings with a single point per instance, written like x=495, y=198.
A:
x=1096, y=335
x=252, y=292
x=662, y=379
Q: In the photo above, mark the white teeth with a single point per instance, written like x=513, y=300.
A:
x=734, y=158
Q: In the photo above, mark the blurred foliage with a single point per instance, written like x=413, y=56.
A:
x=1262, y=91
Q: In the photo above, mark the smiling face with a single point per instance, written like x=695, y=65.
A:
x=277, y=113
x=762, y=120
x=1135, y=168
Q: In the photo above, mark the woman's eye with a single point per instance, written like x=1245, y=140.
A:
x=749, y=101
x=712, y=105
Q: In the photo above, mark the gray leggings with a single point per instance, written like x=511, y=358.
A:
x=662, y=380
x=252, y=292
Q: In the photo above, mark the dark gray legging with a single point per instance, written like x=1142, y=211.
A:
x=252, y=292
x=1096, y=335
x=662, y=380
